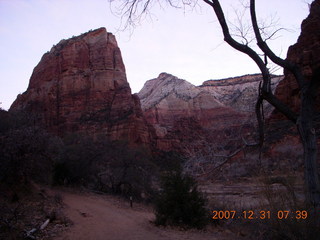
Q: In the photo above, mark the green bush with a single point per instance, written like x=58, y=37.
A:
x=180, y=203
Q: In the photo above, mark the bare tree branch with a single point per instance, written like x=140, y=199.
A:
x=266, y=93
x=265, y=48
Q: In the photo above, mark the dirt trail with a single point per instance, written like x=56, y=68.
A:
x=98, y=217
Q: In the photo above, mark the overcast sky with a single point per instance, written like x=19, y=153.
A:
x=185, y=43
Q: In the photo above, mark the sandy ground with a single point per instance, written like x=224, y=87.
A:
x=100, y=217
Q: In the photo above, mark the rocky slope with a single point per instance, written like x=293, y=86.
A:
x=81, y=86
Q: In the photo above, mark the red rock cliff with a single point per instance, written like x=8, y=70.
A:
x=306, y=53
x=81, y=86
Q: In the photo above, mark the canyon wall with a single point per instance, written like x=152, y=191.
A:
x=80, y=86
x=187, y=116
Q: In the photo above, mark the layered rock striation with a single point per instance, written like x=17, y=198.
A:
x=240, y=93
x=81, y=86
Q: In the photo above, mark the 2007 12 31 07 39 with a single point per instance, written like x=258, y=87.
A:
x=262, y=214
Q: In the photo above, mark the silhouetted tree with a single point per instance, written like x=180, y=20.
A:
x=26, y=151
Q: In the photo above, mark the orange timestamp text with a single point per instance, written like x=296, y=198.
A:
x=262, y=214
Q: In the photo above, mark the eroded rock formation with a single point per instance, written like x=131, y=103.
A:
x=81, y=86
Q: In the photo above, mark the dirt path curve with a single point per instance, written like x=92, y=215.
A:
x=98, y=217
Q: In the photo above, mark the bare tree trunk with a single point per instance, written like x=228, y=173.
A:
x=308, y=138
x=309, y=141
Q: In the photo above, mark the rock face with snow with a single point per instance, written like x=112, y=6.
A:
x=81, y=86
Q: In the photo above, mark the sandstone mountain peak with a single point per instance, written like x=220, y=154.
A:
x=239, y=93
x=90, y=35
x=157, y=89
x=180, y=111
x=81, y=86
